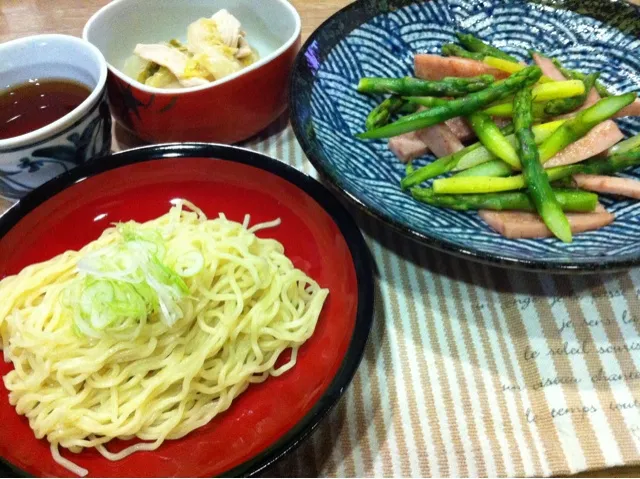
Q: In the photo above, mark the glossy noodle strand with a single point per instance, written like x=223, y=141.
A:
x=245, y=306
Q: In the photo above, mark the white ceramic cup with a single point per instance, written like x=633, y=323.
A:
x=29, y=160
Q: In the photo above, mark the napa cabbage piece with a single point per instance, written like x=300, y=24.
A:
x=163, y=78
x=175, y=43
x=196, y=68
x=140, y=69
x=170, y=58
x=215, y=47
x=250, y=59
x=129, y=282
x=205, y=41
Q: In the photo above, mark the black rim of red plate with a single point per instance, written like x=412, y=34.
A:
x=362, y=260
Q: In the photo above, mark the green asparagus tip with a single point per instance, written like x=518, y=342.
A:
x=409, y=168
x=416, y=190
x=407, y=182
x=565, y=236
x=487, y=78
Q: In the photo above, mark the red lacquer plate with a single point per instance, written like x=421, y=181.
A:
x=269, y=419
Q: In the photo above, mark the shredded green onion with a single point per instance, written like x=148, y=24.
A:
x=128, y=282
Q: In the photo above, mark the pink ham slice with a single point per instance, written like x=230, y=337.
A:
x=599, y=139
x=613, y=185
x=630, y=110
x=408, y=146
x=435, y=67
x=501, y=122
x=594, y=97
x=460, y=128
x=552, y=71
x=437, y=138
x=548, y=68
x=520, y=224
x=440, y=140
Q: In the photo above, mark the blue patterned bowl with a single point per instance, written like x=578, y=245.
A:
x=379, y=38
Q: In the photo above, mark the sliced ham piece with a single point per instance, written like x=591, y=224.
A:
x=501, y=122
x=548, y=68
x=460, y=128
x=630, y=110
x=599, y=139
x=408, y=146
x=435, y=67
x=437, y=138
x=613, y=185
x=440, y=140
x=520, y=224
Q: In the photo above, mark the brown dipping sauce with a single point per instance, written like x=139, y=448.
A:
x=29, y=106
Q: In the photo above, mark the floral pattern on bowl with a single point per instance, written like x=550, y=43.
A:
x=21, y=171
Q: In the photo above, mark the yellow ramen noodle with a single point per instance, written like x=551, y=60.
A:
x=244, y=305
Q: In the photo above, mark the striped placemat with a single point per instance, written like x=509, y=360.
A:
x=478, y=371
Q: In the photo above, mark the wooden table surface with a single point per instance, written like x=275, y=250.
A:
x=19, y=18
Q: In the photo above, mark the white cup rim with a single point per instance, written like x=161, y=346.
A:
x=77, y=113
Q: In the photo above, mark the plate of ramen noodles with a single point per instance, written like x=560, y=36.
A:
x=183, y=310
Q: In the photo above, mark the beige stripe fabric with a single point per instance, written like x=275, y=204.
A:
x=478, y=371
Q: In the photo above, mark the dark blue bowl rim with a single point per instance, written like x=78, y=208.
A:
x=301, y=81
x=362, y=260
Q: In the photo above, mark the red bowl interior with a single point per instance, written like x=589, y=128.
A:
x=142, y=191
